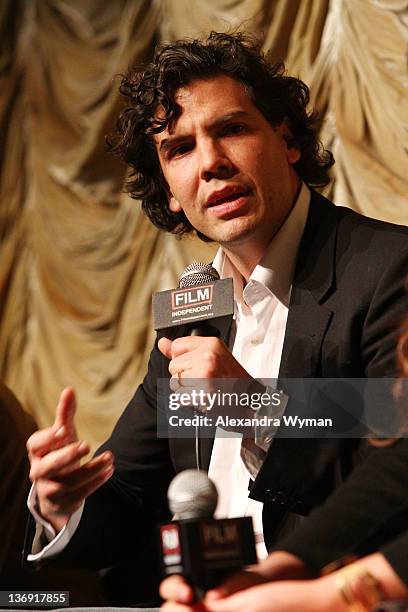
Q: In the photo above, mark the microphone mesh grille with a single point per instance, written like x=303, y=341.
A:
x=198, y=273
x=192, y=494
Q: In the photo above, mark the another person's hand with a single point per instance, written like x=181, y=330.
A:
x=55, y=456
x=279, y=565
x=283, y=596
x=179, y=595
x=314, y=595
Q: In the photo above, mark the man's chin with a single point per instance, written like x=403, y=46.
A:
x=236, y=235
x=228, y=233
x=234, y=239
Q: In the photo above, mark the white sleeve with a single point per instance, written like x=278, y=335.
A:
x=46, y=543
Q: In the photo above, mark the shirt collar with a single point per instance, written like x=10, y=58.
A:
x=276, y=269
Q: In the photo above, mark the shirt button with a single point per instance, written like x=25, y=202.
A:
x=255, y=341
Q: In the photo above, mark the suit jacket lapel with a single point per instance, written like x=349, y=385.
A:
x=289, y=462
x=308, y=319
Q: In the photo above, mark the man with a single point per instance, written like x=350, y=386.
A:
x=221, y=143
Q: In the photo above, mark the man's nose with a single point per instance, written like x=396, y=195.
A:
x=214, y=161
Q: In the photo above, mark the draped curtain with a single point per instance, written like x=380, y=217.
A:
x=78, y=260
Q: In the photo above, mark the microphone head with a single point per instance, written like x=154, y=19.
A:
x=198, y=273
x=192, y=495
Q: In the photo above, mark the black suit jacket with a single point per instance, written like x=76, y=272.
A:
x=346, y=304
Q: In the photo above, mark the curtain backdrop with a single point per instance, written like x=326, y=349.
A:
x=78, y=260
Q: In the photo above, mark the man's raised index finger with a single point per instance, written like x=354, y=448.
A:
x=65, y=413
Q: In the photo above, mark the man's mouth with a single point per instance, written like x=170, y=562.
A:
x=223, y=196
x=228, y=203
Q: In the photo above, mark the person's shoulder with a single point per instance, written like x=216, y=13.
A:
x=357, y=225
x=375, y=225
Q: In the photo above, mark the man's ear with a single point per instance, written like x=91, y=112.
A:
x=174, y=205
x=292, y=149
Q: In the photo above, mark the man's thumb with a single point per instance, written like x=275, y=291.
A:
x=164, y=347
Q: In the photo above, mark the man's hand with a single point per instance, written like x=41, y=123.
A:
x=55, y=454
x=201, y=357
x=197, y=363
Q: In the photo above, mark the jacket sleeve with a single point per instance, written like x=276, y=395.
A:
x=368, y=510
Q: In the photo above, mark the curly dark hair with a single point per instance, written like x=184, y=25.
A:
x=176, y=64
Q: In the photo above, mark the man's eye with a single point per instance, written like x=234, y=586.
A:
x=179, y=150
x=234, y=128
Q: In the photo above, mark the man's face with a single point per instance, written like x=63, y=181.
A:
x=226, y=167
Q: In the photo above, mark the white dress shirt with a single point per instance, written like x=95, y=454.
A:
x=261, y=309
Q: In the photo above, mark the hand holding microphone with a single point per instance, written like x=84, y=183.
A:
x=195, y=357
x=198, y=312
x=191, y=318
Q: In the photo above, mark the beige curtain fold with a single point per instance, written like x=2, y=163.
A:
x=78, y=260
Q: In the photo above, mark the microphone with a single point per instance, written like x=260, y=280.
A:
x=202, y=304
x=197, y=274
x=192, y=495
x=202, y=549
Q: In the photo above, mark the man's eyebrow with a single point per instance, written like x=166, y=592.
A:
x=238, y=114
x=166, y=143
